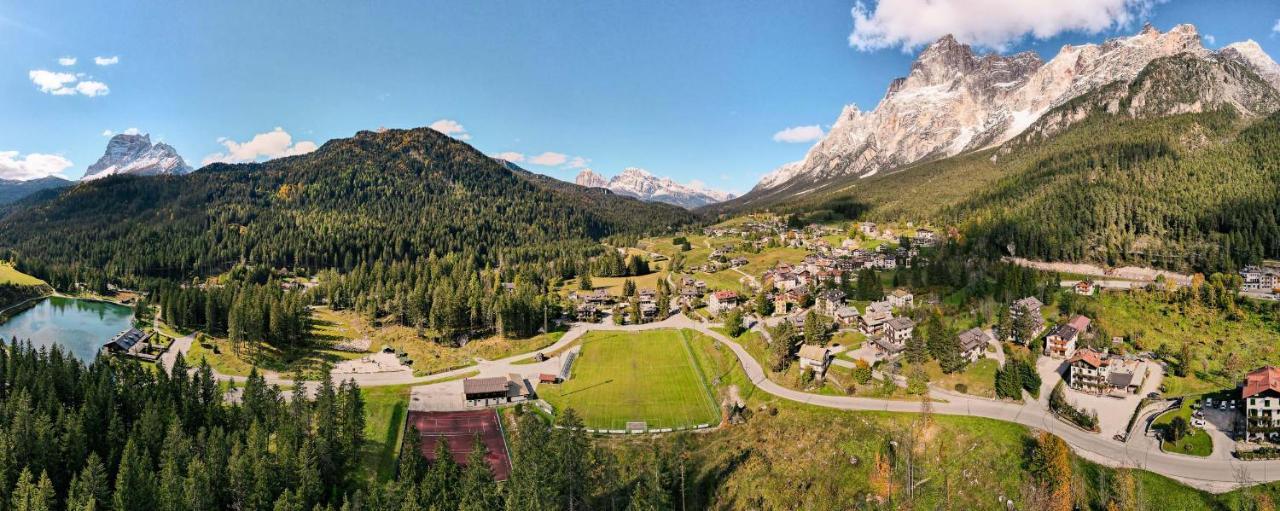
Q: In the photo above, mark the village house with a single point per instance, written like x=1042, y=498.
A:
x=587, y=312
x=647, y=295
x=1096, y=373
x=721, y=301
x=738, y=261
x=973, y=344
x=925, y=238
x=899, y=329
x=867, y=228
x=830, y=300
x=1031, y=306
x=785, y=302
x=815, y=358
x=901, y=299
x=1061, y=342
x=1260, y=278
x=846, y=316
x=873, y=319
x=1084, y=288
x=689, y=296
x=1261, y=395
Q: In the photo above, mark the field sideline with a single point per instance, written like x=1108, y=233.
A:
x=648, y=376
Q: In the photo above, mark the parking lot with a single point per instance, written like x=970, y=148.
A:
x=1113, y=412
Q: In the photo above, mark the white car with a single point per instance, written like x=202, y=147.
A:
x=1199, y=423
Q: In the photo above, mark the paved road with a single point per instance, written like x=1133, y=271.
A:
x=1214, y=474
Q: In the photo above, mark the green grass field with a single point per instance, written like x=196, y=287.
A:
x=10, y=275
x=1198, y=443
x=385, y=409
x=649, y=376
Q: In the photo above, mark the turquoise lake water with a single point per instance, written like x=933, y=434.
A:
x=79, y=326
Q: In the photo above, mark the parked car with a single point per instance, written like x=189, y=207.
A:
x=1199, y=423
x=1153, y=395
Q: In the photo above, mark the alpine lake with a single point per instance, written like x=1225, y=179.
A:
x=80, y=327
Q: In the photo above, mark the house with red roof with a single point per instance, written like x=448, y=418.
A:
x=1261, y=395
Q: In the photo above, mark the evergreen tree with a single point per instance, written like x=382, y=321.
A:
x=478, y=491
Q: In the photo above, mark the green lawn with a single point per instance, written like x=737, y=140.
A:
x=385, y=409
x=1198, y=443
x=978, y=378
x=649, y=376
x=10, y=275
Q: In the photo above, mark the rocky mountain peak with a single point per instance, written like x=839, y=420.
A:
x=590, y=179
x=134, y=154
x=641, y=184
x=953, y=101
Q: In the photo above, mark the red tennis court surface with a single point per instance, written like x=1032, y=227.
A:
x=460, y=430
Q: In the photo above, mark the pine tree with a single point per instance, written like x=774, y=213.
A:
x=917, y=353
x=133, y=480
x=478, y=491
x=90, y=489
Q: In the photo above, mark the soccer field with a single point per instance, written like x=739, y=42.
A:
x=648, y=376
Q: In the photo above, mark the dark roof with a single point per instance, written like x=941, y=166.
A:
x=900, y=323
x=1120, y=380
x=1064, y=332
x=885, y=344
x=126, y=339
x=484, y=385
x=972, y=338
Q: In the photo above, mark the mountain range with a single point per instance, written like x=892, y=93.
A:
x=954, y=101
x=135, y=154
x=639, y=183
x=12, y=190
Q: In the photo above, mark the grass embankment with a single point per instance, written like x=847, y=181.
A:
x=385, y=409
x=1217, y=341
x=17, y=287
x=978, y=378
x=650, y=376
x=1197, y=443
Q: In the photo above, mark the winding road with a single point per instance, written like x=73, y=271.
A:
x=1215, y=474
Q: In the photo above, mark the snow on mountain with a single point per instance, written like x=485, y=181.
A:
x=639, y=183
x=134, y=154
x=954, y=101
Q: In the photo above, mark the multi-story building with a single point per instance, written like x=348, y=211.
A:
x=1261, y=395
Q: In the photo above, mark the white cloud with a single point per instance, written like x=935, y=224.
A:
x=132, y=131
x=273, y=144
x=452, y=128
x=107, y=133
x=67, y=61
x=92, y=88
x=510, y=156
x=578, y=162
x=106, y=61
x=549, y=159
x=31, y=166
x=985, y=23
x=1276, y=28
x=50, y=82
x=799, y=134
x=1209, y=38
x=65, y=84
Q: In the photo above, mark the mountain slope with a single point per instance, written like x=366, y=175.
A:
x=639, y=183
x=376, y=197
x=954, y=101
x=12, y=190
x=134, y=154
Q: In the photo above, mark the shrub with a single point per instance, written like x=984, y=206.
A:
x=962, y=388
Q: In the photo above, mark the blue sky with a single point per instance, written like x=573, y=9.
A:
x=693, y=90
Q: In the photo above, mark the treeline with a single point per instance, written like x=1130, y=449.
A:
x=242, y=312
x=114, y=435
x=11, y=294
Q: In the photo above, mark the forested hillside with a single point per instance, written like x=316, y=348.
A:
x=1191, y=191
x=404, y=218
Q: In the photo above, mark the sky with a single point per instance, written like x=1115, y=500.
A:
x=715, y=92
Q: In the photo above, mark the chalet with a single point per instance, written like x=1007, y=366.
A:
x=901, y=298
x=495, y=390
x=783, y=303
x=925, y=238
x=846, y=316
x=598, y=297
x=1261, y=395
x=587, y=312
x=721, y=301
x=884, y=347
x=689, y=296
x=1084, y=288
x=738, y=261
x=1260, y=278
x=830, y=300
x=648, y=310
x=1096, y=373
x=1031, y=306
x=647, y=295
x=1061, y=342
x=814, y=357
x=875, y=317
x=899, y=329
x=867, y=228
x=128, y=342
x=973, y=344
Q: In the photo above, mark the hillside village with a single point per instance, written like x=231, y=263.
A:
x=857, y=319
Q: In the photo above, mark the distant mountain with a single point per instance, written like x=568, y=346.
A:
x=639, y=183
x=379, y=197
x=12, y=190
x=954, y=101
x=134, y=154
